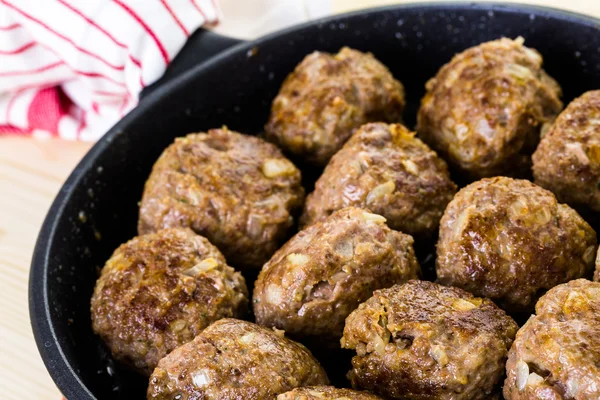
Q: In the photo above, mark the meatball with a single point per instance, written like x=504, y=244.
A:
x=510, y=240
x=237, y=190
x=327, y=97
x=386, y=169
x=556, y=354
x=485, y=109
x=324, y=272
x=424, y=341
x=233, y=359
x=326, y=393
x=567, y=161
x=158, y=291
x=565, y=301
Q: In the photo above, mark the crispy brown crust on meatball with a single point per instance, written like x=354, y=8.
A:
x=510, y=240
x=326, y=393
x=237, y=190
x=567, y=160
x=484, y=110
x=386, y=169
x=423, y=341
x=556, y=354
x=327, y=97
x=324, y=272
x=231, y=360
x=158, y=291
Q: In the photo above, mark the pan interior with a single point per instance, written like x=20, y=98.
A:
x=97, y=209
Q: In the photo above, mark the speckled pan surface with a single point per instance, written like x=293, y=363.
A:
x=236, y=89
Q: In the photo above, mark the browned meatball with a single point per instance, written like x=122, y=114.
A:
x=386, y=169
x=484, y=110
x=510, y=240
x=234, y=360
x=567, y=161
x=239, y=191
x=160, y=290
x=327, y=97
x=326, y=393
x=425, y=341
x=576, y=299
x=556, y=355
x=324, y=272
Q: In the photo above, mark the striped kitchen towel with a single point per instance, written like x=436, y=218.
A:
x=72, y=68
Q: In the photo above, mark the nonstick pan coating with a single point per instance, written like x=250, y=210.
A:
x=96, y=209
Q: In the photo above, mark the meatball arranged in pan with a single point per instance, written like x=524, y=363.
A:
x=485, y=109
x=556, y=354
x=238, y=191
x=567, y=160
x=326, y=393
x=233, y=359
x=424, y=341
x=327, y=97
x=324, y=272
x=510, y=240
x=158, y=291
x=386, y=169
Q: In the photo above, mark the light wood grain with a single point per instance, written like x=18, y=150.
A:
x=31, y=172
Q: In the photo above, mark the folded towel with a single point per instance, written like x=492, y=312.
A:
x=72, y=68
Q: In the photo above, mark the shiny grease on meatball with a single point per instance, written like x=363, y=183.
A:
x=510, y=240
x=237, y=190
x=158, y=291
x=386, y=169
x=567, y=160
x=421, y=340
x=327, y=97
x=556, y=354
x=233, y=359
x=484, y=110
x=326, y=393
x=324, y=272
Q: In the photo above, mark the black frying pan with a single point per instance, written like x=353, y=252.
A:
x=96, y=209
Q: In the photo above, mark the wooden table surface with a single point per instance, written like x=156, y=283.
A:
x=31, y=172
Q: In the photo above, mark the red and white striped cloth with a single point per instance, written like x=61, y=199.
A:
x=72, y=68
